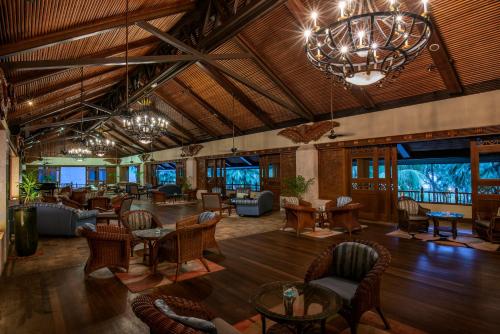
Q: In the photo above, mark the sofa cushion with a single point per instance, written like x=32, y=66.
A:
x=241, y=195
x=223, y=327
x=245, y=201
x=84, y=214
x=90, y=227
x=205, y=217
x=343, y=201
x=345, y=288
x=195, y=323
x=353, y=260
x=483, y=223
x=140, y=220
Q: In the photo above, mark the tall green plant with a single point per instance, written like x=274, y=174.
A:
x=297, y=186
x=29, y=187
x=185, y=183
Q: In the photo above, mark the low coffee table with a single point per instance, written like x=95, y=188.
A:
x=151, y=238
x=452, y=217
x=312, y=307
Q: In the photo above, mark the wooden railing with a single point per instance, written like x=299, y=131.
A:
x=439, y=197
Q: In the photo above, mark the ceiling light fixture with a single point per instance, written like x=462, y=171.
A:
x=367, y=45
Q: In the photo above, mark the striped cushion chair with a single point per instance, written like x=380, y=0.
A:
x=412, y=217
x=353, y=270
x=139, y=220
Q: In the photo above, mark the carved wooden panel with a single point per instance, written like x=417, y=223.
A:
x=332, y=180
x=307, y=132
x=191, y=150
x=288, y=165
x=201, y=173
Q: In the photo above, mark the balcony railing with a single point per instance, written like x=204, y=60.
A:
x=234, y=186
x=438, y=197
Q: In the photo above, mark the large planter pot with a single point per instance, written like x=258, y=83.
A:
x=25, y=231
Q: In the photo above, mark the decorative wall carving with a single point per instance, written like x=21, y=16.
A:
x=191, y=150
x=144, y=157
x=5, y=96
x=307, y=132
x=113, y=160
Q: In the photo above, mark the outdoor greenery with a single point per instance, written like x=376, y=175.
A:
x=166, y=176
x=185, y=183
x=297, y=186
x=29, y=187
x=243, y=178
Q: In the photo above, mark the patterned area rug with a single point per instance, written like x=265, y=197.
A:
x=235, y=226
x=177, y=202
x=140, y=278
x=319, y=233
x=370, y=324
x=462, y=240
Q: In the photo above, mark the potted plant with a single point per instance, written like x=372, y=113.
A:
x=294, y=189
x=25, y=228
x=185, y=184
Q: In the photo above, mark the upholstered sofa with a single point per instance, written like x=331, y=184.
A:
x=59, y=220
x=257, y=206
x=170, y=189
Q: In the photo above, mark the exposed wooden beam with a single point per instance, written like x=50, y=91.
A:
x=211, y=132
x=268, y=70
x=97, y=107
x=300, y=12
x=96, y=27
x=363, y=97
x=126, y=146
x=206, y=59
x=444, y=63
x=239, y=95
x=220, y=116
x=62, y=123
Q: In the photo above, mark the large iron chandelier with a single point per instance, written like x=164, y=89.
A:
x=99, y=145
x=145, y=124
x=368, y=44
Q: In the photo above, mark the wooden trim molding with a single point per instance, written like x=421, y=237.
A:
x=423, y=136
x=256, y=152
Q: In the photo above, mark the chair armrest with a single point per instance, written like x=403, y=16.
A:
x=305, y=203
x=187, y=221
x=321, y=266
x=423, y=211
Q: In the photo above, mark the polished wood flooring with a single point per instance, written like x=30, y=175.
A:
x=435, y=288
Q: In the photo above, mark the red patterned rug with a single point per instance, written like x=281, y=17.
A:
x=140, y=278
x=370, y=324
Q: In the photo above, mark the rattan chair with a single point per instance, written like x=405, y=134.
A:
x=117, y=212
x=412, y=217
x=180, y=246
x=299, y=217
x=213, y=202
x=208, y=231
x=138, y=220
x=100, y=203
x=360, y=291
x=487, y=226
x=345, y=216
x=109, y=247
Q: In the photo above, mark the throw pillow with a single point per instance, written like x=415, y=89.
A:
x=241, y=195
x=195, y=323
x=205, y=216
x=90, y=227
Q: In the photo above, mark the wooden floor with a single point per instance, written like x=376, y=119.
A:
x=439, y=289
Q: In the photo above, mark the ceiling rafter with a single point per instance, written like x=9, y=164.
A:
x=125, y=136
x=210, y=108
x=275, y=78
x=124, y=145
x=239, y=95
x=187, y=116
x=96, y=27
x=299, y=12
x=172, y=122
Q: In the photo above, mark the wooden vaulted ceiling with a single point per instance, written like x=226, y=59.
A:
x=265, y=83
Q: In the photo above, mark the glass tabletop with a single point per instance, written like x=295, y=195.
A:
x=444, y=214
x=311, y=302
x=153, y=233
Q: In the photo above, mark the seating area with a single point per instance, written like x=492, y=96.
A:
x=249, y=167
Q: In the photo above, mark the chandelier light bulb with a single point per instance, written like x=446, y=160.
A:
x=426, y=4
x=307, y=33
x=361, y=37
x=344, y=49
x=342, y=5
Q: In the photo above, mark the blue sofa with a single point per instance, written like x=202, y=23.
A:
x=59, y=220
x=256, y=207
x=170, y=189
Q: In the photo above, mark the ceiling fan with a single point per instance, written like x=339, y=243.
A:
x=334, y=135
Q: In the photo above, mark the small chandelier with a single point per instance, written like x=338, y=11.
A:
x=79, y=153
x=368, y=45
x=99, y=146
x=145, y=124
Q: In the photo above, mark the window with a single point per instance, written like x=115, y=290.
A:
x=210, y=172
x=133, y=172
x=73, y=176
x=243, y=177
x=166, y=176
x=362, y=168
x=489, y=166
x=102, y=174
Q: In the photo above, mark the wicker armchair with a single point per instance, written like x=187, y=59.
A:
x=72, y=204
x=116, y=213
x=412, y=217
x=138, y=220
x=345, y=216
x=213, y=202
x=183, y=245
x=487, y=226
x=109, y=247
x=100, y=203
x=208, y=231
x=299, y=217
x=359, y=285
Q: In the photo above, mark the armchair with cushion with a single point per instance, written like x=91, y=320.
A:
x=159, y=323
x=487, y=226
x=60, y=220
x=139, y=220
x=343, y=213
x=66, y=201
x=209, y=222
x=353, y=270
x=299, y=217
x=256, y=207
x=117, y=212
x=100, y=203
x=109, y=248
x=411, y=216
x=213, y=202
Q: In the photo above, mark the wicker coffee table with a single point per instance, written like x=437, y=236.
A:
x=310, y=310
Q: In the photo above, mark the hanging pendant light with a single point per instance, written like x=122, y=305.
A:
x=234, y=149
x=79, y=151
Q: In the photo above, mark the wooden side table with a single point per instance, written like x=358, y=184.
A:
x=452, y=217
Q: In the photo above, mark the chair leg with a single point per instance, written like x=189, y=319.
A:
x=177, y=272
x=386, y=323
x=204, y=262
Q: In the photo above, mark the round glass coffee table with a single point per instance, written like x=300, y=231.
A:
x=313, y=305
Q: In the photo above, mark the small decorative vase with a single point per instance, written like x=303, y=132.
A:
x=290, y=293
x=25, y=231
